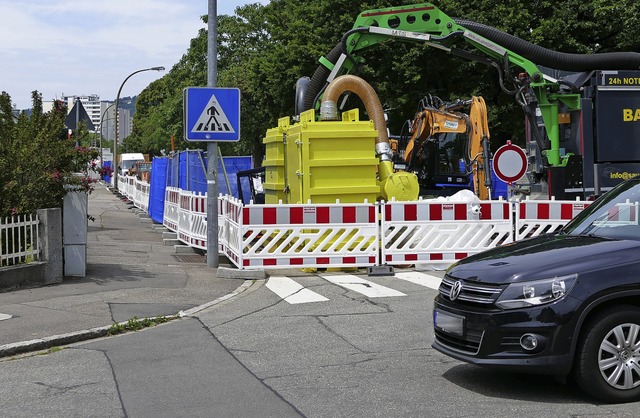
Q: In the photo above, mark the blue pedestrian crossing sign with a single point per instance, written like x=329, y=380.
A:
x=211, y=114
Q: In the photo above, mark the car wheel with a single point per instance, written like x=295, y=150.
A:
x=608, y=356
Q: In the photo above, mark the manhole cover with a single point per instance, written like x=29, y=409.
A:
x=189, y=258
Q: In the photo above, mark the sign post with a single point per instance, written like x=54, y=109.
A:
x=212, y=114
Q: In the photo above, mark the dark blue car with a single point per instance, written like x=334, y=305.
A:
x=561, y=304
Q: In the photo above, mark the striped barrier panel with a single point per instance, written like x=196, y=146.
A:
x=623, y=214
x=231, y=235
x=222, y=224
x=170, y=215
x=437, y=233
x=303, y=236
x=184, y=216
x=198, y=221
x=127, y=186
x=141, y=195
x=537, y=217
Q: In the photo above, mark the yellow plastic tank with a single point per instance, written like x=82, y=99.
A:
x=329, y=160
x=274, y=162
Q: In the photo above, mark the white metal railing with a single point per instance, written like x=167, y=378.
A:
x=19, y=240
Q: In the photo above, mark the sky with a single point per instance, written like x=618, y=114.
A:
x=86, y=47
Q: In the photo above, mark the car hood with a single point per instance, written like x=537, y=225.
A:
x=545, y=256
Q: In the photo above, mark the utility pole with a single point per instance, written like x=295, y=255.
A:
x=212, y=147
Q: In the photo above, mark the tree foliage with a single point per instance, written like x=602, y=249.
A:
x=37, y=159
x=264, y=49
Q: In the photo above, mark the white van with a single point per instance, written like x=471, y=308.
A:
x=128, y=160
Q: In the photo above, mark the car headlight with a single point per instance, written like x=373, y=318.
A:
x=536, y=292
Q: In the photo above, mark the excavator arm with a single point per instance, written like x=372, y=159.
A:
x=479, y=148
x=434, y=118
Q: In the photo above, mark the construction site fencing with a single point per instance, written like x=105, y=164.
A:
x=537, y=217
x=436, y=233
x=427, y=233
x=309, y=236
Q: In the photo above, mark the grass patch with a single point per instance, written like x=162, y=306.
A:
x=136, y=324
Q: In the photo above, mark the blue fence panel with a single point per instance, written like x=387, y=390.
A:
x=158, y=184
x=182, y=170
x=106, y=177
x=196, y=172
x=187, y=171
x=232, y=166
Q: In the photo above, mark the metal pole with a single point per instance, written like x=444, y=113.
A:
x=212, y=147
x=115, y=143
x=101, y=120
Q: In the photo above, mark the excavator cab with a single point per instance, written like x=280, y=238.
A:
x=443, y=164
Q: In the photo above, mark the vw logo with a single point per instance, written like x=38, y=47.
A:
x=455, y=290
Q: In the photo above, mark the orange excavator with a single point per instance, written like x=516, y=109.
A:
x=447, y=146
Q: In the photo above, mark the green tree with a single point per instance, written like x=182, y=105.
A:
x=36, y=158
x=264, y=49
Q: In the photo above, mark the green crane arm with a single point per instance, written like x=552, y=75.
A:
x=425, y=23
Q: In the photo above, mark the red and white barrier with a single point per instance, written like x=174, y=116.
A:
x=427, y=233
x=437, y=233
x=171, y=214
x=310, y=236
x=537, y=217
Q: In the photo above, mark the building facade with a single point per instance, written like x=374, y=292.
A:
x=100, y=112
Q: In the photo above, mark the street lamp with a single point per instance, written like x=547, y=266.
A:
x=115, y=143
x=101, y=120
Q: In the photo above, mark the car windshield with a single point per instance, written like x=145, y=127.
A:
x=613, y=215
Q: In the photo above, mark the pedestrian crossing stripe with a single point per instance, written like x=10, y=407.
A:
x=213, y=119
x=294, y=293
x=360, y=285
x=421, y=279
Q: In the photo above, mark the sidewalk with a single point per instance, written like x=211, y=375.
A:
x=130, y=273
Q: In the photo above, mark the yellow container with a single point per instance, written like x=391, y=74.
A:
x=274, y=162
x=331, y=160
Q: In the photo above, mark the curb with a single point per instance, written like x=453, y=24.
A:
x=231, y=273
x=189, y=312
x=46, y=343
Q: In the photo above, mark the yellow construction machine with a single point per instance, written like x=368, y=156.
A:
x=447, y=147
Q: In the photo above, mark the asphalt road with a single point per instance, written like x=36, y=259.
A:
x=257, y=355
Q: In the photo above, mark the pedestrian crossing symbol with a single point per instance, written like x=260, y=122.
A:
x=211, y=114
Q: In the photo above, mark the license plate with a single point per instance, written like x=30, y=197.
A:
x=446, y=322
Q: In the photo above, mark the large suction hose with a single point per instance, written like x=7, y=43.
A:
x=553, y=59
x=319, y=77
x=399, y=185
x=352, y=83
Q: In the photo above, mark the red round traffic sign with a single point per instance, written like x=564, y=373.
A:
x=510, y=163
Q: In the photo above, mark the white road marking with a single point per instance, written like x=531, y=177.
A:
x=291, y=291
x=4, y=316
x=422, y=279
x=363, y=286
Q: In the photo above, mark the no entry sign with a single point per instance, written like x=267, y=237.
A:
x=510, y=163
